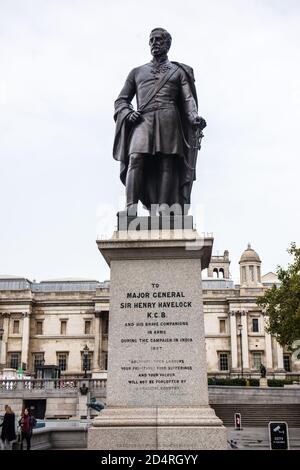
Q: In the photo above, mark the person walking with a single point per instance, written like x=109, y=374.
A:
x=27, y=423
x=8, y=432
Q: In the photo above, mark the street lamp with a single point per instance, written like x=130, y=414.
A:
x=85, y=360
x=240, y=327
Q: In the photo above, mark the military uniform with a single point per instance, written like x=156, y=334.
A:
x=160, y=129
x=157, y=166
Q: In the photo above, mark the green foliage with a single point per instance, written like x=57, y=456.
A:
x=282, y=304
x=278, y=382
x=233, y=382
x=251, y=382
x=254, y=382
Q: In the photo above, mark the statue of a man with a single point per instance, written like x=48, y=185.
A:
x=157, y=144
x=263, y=371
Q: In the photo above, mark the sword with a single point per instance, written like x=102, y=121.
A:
x=198, y=135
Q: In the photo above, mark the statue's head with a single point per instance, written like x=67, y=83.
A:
x=159, y=42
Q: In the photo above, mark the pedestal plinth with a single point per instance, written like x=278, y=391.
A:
x=157, y=395
x=263, y=382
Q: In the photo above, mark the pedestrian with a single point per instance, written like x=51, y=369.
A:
x=8, y=432
x=27, y=423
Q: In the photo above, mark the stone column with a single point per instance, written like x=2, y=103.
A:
x=233, y=340
x=247, y=275
x=279, y=357
x=268, y=343
x=3, y=351
x=245, y=345
x=25, y=340
x=255, y=274
x=101, y=344
x=96, y=365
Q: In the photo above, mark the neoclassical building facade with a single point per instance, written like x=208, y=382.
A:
x=66, y=323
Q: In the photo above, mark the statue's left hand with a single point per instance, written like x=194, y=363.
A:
x=199, y=122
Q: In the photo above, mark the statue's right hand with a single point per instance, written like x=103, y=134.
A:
x=135, y=117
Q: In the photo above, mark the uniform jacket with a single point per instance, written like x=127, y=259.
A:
x=166, y=124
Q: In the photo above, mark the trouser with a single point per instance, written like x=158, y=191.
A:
x=27, y=437
x=134, y=180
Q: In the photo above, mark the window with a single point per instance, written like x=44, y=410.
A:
x=223, y=359
x=215, y=273
x=14, y=360
x=256, y=360
x=255, y=325
x=62, y=361
x=87, y=327
x=243, y=274
x=63, y=327
x=39, y=327
x=221, y=273
x=16, y=327
x=222, y=325
x=105, y=324
x=251, y=268
x=38, y=360
x=287, y=362
x=104, y=360
x=86, y=361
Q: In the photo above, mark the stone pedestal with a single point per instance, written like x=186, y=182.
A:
x=157, y=395
x=263, y=382
x=82, y=409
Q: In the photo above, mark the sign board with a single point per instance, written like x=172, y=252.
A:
x=237, y=421
x=278, y=435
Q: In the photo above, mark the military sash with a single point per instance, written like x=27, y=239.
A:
x=152, y=93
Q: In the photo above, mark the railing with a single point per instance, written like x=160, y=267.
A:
x=99, y=385
x=290, y=376
x=52, y=384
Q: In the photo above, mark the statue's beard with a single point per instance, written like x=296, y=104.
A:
x=160, y=51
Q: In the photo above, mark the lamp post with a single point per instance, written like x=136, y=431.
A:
x=85, y=360
x=240, y=327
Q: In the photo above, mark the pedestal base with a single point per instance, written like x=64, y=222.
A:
x=263, y=382
x=153, y=428
x=171, y=222
x=157, y=391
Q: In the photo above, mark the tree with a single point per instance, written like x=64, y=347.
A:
x=281, y=304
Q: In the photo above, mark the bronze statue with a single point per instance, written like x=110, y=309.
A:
x=263, y=371
x=96, y=405
x=157, y=144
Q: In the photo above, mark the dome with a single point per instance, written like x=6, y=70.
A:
x=249, y=255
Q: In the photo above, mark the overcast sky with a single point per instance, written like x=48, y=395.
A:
x=63, y=63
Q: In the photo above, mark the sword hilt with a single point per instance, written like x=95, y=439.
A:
x=198, y=135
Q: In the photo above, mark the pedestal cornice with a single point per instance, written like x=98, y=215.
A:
x=157, y=244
